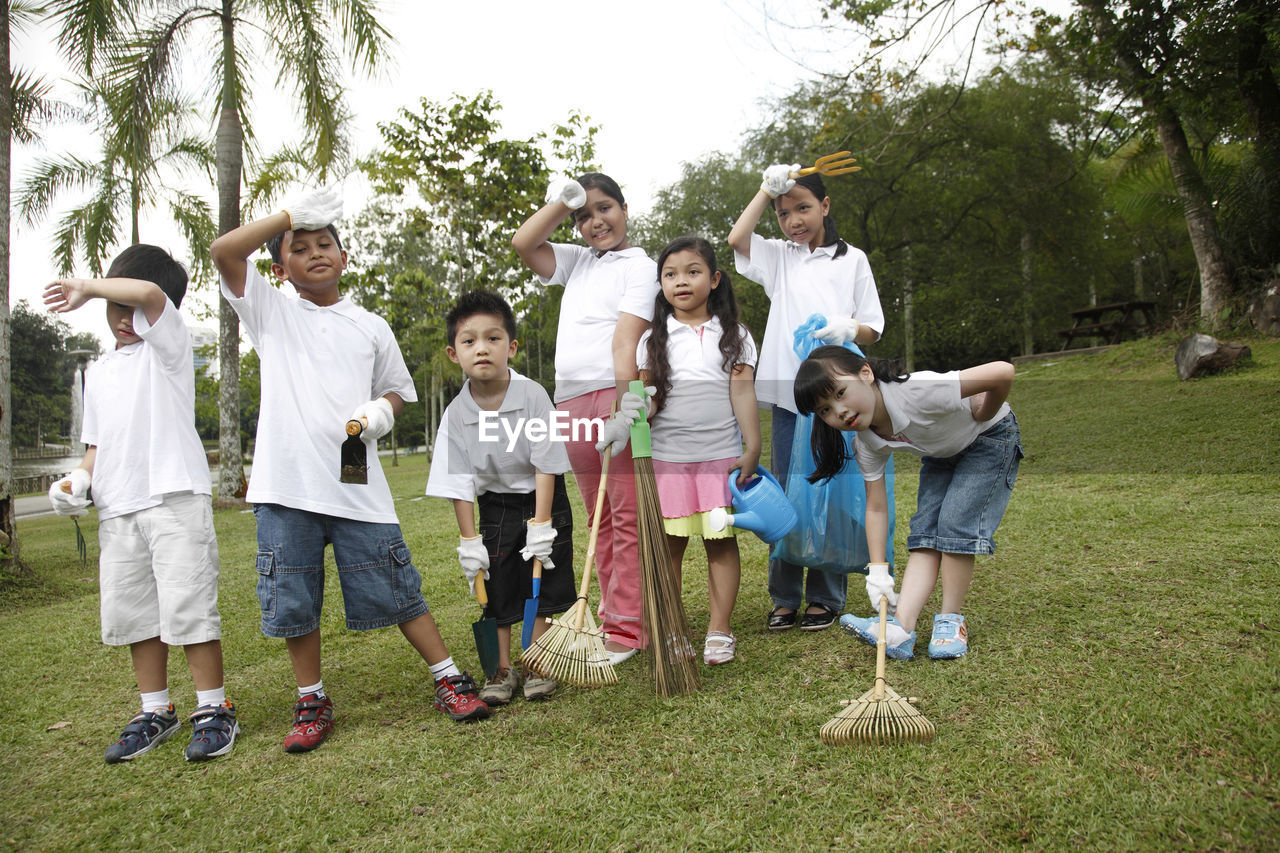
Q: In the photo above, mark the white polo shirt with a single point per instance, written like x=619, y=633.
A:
x=318, y=365
x=929, y=418
x=140, y=412
x=596, y=290
x=696, y=423
x=800, y=283
x=496, y=451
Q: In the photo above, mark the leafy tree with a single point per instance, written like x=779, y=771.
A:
x=42, y=372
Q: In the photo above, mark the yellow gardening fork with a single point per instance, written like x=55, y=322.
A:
x=832, y=164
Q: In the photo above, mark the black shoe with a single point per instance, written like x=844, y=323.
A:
x=781, y=621
x=818, y=621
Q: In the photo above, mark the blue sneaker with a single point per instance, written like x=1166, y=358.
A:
x=214, y=730
x=899, y=643
x=144, y=733
x=950, y=637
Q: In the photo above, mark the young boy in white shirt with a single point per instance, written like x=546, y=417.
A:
x=158, y=567
x=325, y=361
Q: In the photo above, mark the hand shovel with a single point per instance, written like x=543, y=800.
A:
x=355, y=456
x=531, y=607
x=486, y=630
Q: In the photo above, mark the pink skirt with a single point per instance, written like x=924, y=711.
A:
x=687, y=488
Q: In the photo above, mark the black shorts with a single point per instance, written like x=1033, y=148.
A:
x=502, y=525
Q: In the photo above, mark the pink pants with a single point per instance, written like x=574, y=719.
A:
x=617, y=550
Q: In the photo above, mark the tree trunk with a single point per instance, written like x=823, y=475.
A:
x=230, y=165
x=9, y=562
x=908, y=314
x=1028, y=330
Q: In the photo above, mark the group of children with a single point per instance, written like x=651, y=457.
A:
x=504, y=445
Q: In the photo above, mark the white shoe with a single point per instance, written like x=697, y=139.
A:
x=616, y=658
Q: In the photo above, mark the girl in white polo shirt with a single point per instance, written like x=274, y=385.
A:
x=813, y=271
x=701, y=361
x=609, y=287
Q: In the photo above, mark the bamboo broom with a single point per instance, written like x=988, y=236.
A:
x=880, y=715
x=674, y=670
x=572, y=649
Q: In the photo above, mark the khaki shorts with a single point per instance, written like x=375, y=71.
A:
x=158, y=573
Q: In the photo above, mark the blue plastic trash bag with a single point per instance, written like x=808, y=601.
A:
x=830, y=534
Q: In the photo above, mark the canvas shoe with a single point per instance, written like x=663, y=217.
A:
x=899, y=643
x=312, y=722
x=214, y=730
x=456, y=696
x=537, y=688
x=146, y=731
x=950, y=637
x=499, y=689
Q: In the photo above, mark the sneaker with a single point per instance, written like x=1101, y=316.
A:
x=145, y=732
x=899, y=644
x=214, y=730
x=499, y=689
x=718, y=648
x=456, y=696
x=312, y=722
x=950, y=637
x=537, y=688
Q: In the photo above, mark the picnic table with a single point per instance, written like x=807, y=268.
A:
x=1109, y=322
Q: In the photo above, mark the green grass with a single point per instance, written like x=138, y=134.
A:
x=1122, y=690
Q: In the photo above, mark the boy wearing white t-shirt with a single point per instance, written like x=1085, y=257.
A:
x=325, y=361
x=158, y=566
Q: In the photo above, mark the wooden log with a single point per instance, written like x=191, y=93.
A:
x=1198, y=355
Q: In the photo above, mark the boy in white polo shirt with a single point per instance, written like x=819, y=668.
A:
x=158, y=568
x=325, y=361
x=487, y=450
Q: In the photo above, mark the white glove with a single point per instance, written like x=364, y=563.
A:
x=567, y=191
x=777, y=179
x=879, y=583
x=314, y=209
x=69, y=495
x=617, y=430
x=539, y=536
x=377, y=417
x=839, y=330
x=474, y=558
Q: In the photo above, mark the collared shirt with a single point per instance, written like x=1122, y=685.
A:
x=928, y=417
x=319, y=363
x=597, y=289
x=697, y=423
x=140, y=412
x=498, y=451
x=800, y=283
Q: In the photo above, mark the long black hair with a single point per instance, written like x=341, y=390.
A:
x=721, y=304
x=817, y=379
x=830, y=236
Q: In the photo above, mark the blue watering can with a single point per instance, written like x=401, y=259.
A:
x=761, y=507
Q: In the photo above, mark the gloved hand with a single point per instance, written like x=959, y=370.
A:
x=314, y=209
x=70, y=495
x=617, y=430
x=880, y=583
x=839, y=330
x=567, y=191
x=539, y=536
x=777, y=179
x=474, y=558
x=377, y=417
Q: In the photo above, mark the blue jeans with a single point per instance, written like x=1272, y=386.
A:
x=787, y=583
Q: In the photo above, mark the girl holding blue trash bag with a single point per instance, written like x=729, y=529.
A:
x=699, y=361
x=966, y=432
x=812, y=271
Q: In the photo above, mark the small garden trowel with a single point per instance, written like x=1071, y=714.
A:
x=355, y=456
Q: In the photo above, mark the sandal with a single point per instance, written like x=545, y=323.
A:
x=781, y=621
x=718, y=648
x=818, y=621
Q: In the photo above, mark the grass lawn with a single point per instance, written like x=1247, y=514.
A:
x=1122, y=691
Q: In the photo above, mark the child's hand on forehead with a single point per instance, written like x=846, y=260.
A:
x=314, y=209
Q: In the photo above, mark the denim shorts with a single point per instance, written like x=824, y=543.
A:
x=380, y=585
x=963, y=497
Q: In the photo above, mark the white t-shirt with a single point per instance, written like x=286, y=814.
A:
x=500, y=451
x=596, y=290
x=696, y=423
x=318, y=365
x=929, y=418
x=800, y=283
x=140, y=412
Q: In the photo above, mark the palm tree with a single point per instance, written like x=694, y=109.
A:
x=141, y=44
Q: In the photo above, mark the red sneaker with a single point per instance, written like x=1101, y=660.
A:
x=456, y=695
x=312, y=722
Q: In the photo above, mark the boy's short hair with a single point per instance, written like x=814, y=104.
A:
x=475, y=302
x=273, y=245
x=153, y=264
